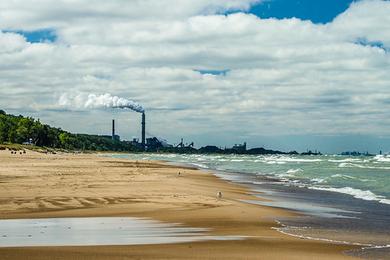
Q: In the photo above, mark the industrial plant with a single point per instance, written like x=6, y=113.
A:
x=155, y=144
x=146, y=144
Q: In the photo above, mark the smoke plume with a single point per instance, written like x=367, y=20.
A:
x=92, y=101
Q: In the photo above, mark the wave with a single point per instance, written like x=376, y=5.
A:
x=354, y=165
x=356, y=193
x=285, y=160
x=347, y=177
x=287, y=175
x=200, y=165
x=284, y=229
x=289, y=230
x=291, y=159
x=346, y=160
x=275, y=162
x=343, y=176
x=382, y=158
x=319, y=180
x=349, y=165
x=293, y=171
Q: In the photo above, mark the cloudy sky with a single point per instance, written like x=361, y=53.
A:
x=285, y=74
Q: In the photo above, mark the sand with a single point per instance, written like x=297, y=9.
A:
x=35, y=185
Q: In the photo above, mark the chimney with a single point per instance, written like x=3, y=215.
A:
x=143, y=131
x=113, y=129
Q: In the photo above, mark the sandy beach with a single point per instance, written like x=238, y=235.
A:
x=36, y=185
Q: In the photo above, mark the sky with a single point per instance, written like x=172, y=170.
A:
x=284, y=74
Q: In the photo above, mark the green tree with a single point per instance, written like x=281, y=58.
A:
x=18, y=129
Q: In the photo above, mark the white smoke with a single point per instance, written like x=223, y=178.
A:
x=92, y=101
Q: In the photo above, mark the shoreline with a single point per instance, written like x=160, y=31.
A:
x=91, y=186
x=328, y=215
x=281, y=228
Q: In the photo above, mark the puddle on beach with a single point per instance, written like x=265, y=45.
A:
x=97, y=231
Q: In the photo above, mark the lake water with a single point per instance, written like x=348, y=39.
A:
x=346, y=199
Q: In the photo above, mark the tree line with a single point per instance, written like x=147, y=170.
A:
x=20, y=129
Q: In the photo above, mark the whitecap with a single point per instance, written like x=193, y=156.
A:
x=367, y=180
x=354, y=165
x=346, y=160
x=343, y=176
x=293, y=171
x=382, y=158
x=356, y=193
x=291, y=159
x=275, y=162
x=319, y=180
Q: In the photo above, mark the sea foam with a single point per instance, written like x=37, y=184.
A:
x=357, y=193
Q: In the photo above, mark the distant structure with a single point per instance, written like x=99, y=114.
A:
x=354, y=153
x=210, y=149
x=182, y=145
x=154, y=144
x=114, y=137
x=310, y=152
x=239, y=148
x=113, y=129
x=143, y=131
x=148, y=144
x=135, y=142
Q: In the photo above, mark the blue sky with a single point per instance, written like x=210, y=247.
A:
x=37, y=36
x=317, y=11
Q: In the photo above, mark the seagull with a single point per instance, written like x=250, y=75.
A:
x=219, y=195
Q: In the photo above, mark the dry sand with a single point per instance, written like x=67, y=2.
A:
x=36, y=185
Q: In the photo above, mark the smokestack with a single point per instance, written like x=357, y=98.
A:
x=143, y=130
x=113, y=129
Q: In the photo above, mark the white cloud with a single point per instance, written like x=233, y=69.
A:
x=10, y=42
x=285, y=76
x=35, y=14
x=365, y=19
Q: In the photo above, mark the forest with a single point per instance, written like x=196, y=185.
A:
x=27, y=130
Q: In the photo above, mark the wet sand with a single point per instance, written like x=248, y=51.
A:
x=36, y=185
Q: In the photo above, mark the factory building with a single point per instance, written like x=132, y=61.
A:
x=239, y=148
x=149, y=144
x=154, y=144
